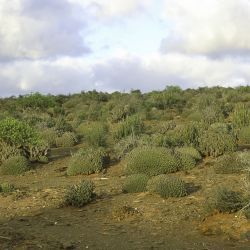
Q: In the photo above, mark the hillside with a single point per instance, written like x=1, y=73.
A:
x=160, y=170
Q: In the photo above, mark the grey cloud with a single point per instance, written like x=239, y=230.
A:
x=40, y=29
x=69, y=75
x=216, y=29
x=119, y=75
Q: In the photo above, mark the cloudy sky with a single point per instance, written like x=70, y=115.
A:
x=65, y=46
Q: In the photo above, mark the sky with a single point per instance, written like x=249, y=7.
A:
x=68, y=46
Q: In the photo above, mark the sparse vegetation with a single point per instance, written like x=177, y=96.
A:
x=87, y=161
x=151, y=161
x=7, y=187
x=80, y=194
x=226, y=200
x=229, y=164
x=167, y=186
x=135, y=183
x=67, y=139
x=194, y=153
x=14, y=165
x=137, y=141
x=187, y=162
x=215, y=143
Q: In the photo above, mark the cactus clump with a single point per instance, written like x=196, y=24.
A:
x=87, y=161
x=167, y=186
x=80, y=194
x=151, y=161
x=135, y=183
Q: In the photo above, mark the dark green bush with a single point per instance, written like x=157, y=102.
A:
x=229, y=164
x=87, y=161
x=15, y=132
x=80, y=194
x=135, y=183
x=151, y=161
x=14, y=165
x=167, y=186
x=226, y=200
x=215, y=143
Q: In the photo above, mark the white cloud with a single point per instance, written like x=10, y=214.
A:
x=211, y=27
x=122, y=71
x=41, y=28
x=106, y=9
x=43, y=45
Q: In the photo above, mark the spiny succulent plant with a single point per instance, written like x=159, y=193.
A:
x=80, y=194
x=87, y=161
x=167, y=186
x=151, y=161
x=135, y=183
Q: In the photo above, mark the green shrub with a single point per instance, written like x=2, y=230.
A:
x=87, y=161
x=225, y=200
x=7, y=188
x=212, y=114
x=68, y=139
x=7, y=151
x=194, y=153
x=49, y=135
x=124, y=146
x=80, y=194
x=229, y=164
x=14, y=165
x=62, y=126
x=135, y=183
x=172, y=138
x=244, y=135
x=167, y=186
x=131, y=125
x=120, y=112
x=37, y=100
x=241, y=116
x=36, y=152
x=96, y=135
x=151, y=161
x=187, y=162
x=214, y=143
x=221, y=127
x=15, y=132
x=190, y=133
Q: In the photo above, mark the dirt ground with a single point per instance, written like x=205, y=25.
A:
x=33, y=218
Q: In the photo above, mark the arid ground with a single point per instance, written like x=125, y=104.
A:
x=33, y=217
